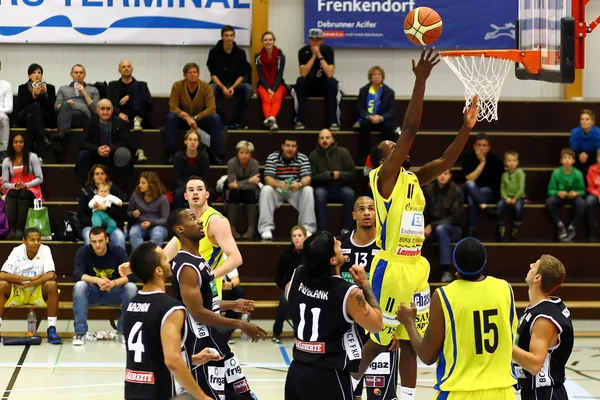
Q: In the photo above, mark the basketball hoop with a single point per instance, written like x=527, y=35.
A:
x=483, y=72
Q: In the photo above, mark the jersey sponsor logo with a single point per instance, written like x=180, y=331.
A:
x=380, y=365
x=315, y=294
x=216, y=304
x=422, y=321
x=216, y=378
x=519, y=371
x=390, y=319
x=542, y=378
x=374, y=252
x=200, y=330
x=352, y=345
x=233, y=372
x=389, y=330
x=138, y=307
x=408, y=251
x=213, y=288
x=144, y=377
x=310, y=347
x=374, y=381
x=566, y=312
x=410, y=191
x=346, y=251
x=422, y=300
x=241, y=386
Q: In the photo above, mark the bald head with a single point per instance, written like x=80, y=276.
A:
x=125, y=69
x=104, y=109
x=325, y=139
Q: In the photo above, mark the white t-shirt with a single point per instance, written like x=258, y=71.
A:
x=19, y=264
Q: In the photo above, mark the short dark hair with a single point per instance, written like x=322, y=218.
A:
x=78, y=65
x=376, y=156
x=174, y=219
x=196, y=178
x=567, y=152
x=289, y=139
x=189, y=66
x=34, y=67
x=317, y=270
x=482, y=136
x=143, y=261
x=227, y=28
x=469, y=258
x=97, y=230
x=30, y=230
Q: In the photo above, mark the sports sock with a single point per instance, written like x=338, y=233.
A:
x=52, y=321
x=407, y=393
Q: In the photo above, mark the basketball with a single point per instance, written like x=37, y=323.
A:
x=423, y=26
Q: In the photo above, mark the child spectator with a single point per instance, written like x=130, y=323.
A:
x=585, y=140
x=512, y=194
x=566, y=187
x=593, y=188
x=101, y=202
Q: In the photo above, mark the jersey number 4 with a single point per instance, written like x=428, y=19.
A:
x=314, y=334
x=490, y=345
x=134, y=342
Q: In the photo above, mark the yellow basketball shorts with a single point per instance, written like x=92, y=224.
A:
x=394, y=282
x=490, y=394
x=22, y=297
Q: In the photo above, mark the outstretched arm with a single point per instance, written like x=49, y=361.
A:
x=412, y=120
x=435, y=168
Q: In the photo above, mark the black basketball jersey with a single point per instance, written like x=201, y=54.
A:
x=146, y=375
x=325, y=335
x=201, y=335
x=359, y=255
x=553, y=370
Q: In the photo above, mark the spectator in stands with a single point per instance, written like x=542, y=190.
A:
x=483, y=172
x=75, y=104
x=566, y=187
x=230, y=73
x=192, y=106
x=444, y=216
x=131, y=99
x=287, y=178
x=97, y=176
x=106, y=140
x=332, y=173
x=98, y=282
x=6, y=107
x=242, y=182
x=28, y=277
x=149, y=207
x=585, y=140
x=376, y=107
x=99, y=216
x=289, y=260
x=271, y=89
x=35, y=107
x=512, y=194
x=189, y=162
x=21, y=178
x=316, y=79
x=593, y=188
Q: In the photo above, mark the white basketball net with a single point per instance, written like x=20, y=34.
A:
x=483, y=76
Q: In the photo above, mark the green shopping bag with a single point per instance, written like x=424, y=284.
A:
x=37, y=217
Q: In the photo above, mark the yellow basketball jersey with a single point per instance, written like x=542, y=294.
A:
x=400, y=221
x=481, y=324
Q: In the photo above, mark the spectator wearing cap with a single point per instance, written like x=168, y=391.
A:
x=316, y=80
x=108, y=141
x=229, y=73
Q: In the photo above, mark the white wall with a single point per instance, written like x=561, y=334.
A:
x=161, y=65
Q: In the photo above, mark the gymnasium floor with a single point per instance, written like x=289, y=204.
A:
x=95, y=371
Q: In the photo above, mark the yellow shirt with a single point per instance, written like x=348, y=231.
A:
x=400, y=221
x=481, y=324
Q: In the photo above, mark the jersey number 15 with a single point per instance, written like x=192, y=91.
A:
x=490, y=345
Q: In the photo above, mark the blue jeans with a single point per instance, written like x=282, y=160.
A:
x=86, y=294
x=210, y=124
x=242, y=92
x=116, y=237
x=476, y=195
x=282, y=311
x=501, y=211
x=345, y=194
x=445, y=234
x=591, y=203
x=157, y=234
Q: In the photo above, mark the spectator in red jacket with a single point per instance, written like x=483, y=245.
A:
x=593, y=189
x=271, y=89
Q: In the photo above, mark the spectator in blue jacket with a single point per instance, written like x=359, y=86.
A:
x=585, y=140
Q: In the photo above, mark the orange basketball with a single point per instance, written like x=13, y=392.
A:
x=423, y=26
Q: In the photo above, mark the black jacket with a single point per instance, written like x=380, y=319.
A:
x=324, y=162
x=25, y=98
x=227, y=67
x=387, y=102
x=182, y=168
x=141, y=87
x=84, y=212
x=120, y=135
x=290, y=260
x=444, y=205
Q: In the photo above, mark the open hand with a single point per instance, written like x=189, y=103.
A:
x=471, y=113
x=254, y=331
x=244, y=306
x=423, y=68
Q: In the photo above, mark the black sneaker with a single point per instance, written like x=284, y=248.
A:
x=515, y=235
x=562, y=233
x=500, y=231
x=571, y=233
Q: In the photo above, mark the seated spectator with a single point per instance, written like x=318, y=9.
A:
x=332, y=173
x=376, y=107
x=271, y=89
x=6, y=107
x=75, y=104
x=512, y=194
x=443, y=216
x=97, y=176
x=35, y=107
x=21, y=178
x=149, y=207
x=566, y=187
x=289, y=260
x=192, y=106
x=98, y=282
x=189, y=162
x=585, y=140
x=28, y=278
x=287, y=178
x=106, y=140
x=593, y=188
x=131, y=99
x=316, y=80
x=483, y=172
x=104, y=199
x=229, y=75
x=242, y=182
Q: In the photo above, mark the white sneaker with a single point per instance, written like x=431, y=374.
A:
x=447, y=277
x=137, y=124
x=120, y=338
x=269, y=122
x=79, y=340
x=266, y=235
x=275, y=127
x=141, y=156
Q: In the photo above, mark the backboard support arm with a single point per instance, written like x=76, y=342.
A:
x=581, y=30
